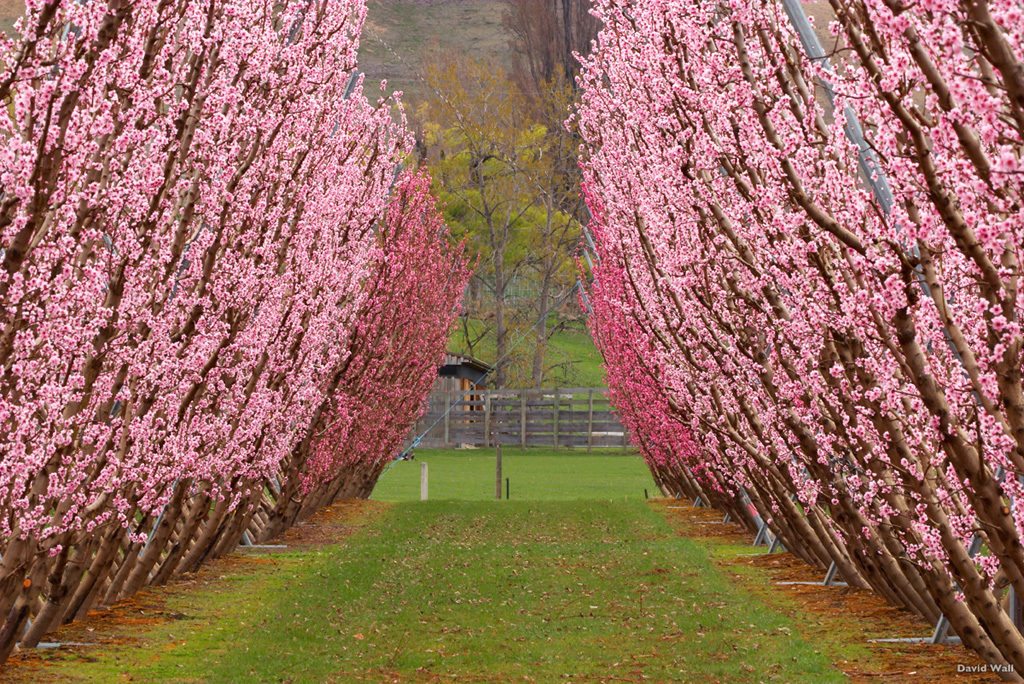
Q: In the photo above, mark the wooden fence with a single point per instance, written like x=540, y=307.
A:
x=565, y=417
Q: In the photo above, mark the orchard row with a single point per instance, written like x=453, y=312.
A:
x=221, y=304
x=776, y=328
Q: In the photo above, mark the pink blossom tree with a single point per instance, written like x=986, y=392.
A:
x=188, y=199
x=852, y=368
x=399, y=343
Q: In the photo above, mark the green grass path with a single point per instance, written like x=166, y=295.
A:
x=488, y=591
x=534, y=474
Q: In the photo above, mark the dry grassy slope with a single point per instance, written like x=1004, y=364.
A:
x=413, y=28
x=401, y=33
x=9, y=11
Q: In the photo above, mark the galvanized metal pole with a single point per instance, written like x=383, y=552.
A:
x=447, y=416
x=866, y=157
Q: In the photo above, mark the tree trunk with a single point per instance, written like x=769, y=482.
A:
x=87, y=590
x=543, y=303
x=500, y=327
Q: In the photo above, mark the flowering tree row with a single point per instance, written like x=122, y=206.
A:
x=775, y=333
x=219, y=306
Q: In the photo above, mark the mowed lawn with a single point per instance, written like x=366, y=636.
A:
x=481, y=591
x=535, y=474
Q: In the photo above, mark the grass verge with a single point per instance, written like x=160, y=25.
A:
x=479, y=591
x=582, y=589
x=571, y=357
x=535, y=474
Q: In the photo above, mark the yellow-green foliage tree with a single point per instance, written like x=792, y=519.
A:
x=502, y=176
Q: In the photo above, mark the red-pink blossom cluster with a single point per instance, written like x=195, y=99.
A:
x=398, y=343
x=774, y=332
x=196, y=242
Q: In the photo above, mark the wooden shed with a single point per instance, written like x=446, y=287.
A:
x=461, y=373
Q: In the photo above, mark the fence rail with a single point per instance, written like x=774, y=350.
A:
x=565, y=417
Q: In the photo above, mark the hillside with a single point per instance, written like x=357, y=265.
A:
x=399, y=33
x=10, y=10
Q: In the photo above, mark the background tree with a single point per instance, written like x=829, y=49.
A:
x=500, y=172
x=557, y=227
x=544, y=36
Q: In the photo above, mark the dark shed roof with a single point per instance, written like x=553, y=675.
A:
x=464, y=367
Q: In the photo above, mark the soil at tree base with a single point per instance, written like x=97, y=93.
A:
x=847, y=619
